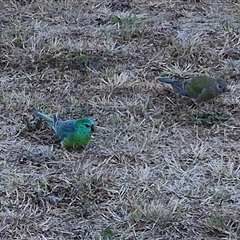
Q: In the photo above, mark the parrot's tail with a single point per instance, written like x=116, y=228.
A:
x=165, y=80
x=55, y=121
x=43, y=116
x=176, y=85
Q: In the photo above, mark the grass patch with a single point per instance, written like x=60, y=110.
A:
x=158, y=166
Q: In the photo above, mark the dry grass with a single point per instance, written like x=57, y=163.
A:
x=150, y=172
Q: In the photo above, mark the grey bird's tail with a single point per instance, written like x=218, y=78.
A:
x=176, y=85
x=43, y=116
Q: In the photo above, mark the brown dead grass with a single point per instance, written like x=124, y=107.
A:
x=150, y=172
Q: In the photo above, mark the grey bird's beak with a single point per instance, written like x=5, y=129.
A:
x=226, y=90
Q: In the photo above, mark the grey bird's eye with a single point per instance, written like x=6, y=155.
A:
x=220, y=87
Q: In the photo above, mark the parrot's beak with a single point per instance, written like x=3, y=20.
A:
x=226, y=90
x=92, y=128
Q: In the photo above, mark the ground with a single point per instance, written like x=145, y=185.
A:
x=155, y=167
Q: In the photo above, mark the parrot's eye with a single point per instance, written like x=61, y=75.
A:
x=90, y=126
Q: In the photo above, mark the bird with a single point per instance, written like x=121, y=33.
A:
x=199, y=89
x=72, y=133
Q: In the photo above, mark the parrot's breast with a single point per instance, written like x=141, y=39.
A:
x=78, y=139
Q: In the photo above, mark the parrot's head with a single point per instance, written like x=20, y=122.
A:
x=88, y=123
x=221, y=85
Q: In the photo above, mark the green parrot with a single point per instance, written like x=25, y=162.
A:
x=72, y=133
x=199, y=89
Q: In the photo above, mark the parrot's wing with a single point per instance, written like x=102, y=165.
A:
x=65, y=128
x=205, y=95
x=178, y=87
